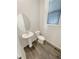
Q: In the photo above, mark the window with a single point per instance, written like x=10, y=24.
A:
x=54, y=11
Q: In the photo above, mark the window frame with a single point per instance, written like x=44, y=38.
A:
x=59, y=18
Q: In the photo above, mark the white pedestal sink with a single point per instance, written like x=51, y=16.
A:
x=28, y=36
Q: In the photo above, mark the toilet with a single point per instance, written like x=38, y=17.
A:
x=40, y=38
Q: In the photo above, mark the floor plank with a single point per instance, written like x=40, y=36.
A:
x=42, y=51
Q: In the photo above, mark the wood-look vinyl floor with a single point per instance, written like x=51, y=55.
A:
x=39, y=51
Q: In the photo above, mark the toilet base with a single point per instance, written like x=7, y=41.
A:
x=41, y=41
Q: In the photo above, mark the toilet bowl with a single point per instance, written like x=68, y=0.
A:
x=40, y=38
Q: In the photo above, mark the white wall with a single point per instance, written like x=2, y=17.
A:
x=31, y=9
x=20, y=51
x=54, y=35
x=35, y=15
x=51, y=32
x=43, y=16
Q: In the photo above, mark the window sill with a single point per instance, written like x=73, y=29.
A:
x=58, y=25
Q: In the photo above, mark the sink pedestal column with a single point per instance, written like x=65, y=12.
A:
x=30, y=42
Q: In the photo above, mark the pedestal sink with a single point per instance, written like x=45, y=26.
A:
x=28, y=36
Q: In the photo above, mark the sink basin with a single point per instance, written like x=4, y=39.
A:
x=27, y=35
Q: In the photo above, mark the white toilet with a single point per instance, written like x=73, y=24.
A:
x=40, y=38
